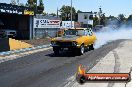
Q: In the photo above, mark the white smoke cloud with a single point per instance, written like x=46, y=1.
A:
x=108, y=35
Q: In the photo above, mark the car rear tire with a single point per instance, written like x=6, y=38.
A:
x=91, y=47
x=56, y=50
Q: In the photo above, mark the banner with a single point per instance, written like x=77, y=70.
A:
x=67, y=24
x=26, y=12
x=83, y=75
x=46, y=23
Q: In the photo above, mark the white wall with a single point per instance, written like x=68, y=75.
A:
x=81, y=17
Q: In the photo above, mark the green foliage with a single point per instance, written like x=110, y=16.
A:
x=102, y=19
x=13, y=2
x=33, y=4
x=111, y=20
x=21, y=4
x=95, y=21
x=66, y=13
x=121, y=19
x=44, y=13
x=79, y=11
x=53, y=14
x=129, y=20
x=111, y=17
x=40, y=8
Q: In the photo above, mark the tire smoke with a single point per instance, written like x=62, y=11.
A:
x=107, y=35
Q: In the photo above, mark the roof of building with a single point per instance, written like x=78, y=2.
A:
x=13, y=9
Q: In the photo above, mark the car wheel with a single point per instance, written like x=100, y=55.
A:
x=56, y=50
x=91, y=47
x=82, y=50
x=86, y=48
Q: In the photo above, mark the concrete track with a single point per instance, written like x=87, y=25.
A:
x=44, y=69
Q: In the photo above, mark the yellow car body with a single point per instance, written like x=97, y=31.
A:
x=74, y=39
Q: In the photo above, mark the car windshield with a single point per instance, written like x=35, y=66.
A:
x=74, y=32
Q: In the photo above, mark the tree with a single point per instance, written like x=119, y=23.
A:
x=95, y=21
x=111, y=20
x=44, y=13
x=121, y=18
x=32, y=4
x=13, y=2
x=66, y=13
x=79, y=11
x=76, y=15
x=17, y=2
x=129, y=20
x=53, y=14
x=102, y=19
x=111, y=17
x=21, y=4
x=40, y=8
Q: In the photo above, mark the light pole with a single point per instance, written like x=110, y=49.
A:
x=71, y=13
x=36, y=7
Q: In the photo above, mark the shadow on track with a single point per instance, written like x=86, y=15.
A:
x=63, y=54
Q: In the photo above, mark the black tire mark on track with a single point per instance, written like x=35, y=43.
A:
x=116, y=67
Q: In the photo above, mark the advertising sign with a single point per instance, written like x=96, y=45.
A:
x=46, y=23
x=15, y=9
x=28, y=12
x=67, y=24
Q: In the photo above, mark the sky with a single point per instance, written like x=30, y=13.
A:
x=109, y=7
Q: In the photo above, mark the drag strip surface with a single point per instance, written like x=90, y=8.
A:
x=44, y=69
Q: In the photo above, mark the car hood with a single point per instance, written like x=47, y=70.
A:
x=67, y=38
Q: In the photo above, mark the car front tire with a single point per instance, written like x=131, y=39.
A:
x=81, y=50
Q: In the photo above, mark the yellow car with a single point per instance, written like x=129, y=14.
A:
x=75, y=40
